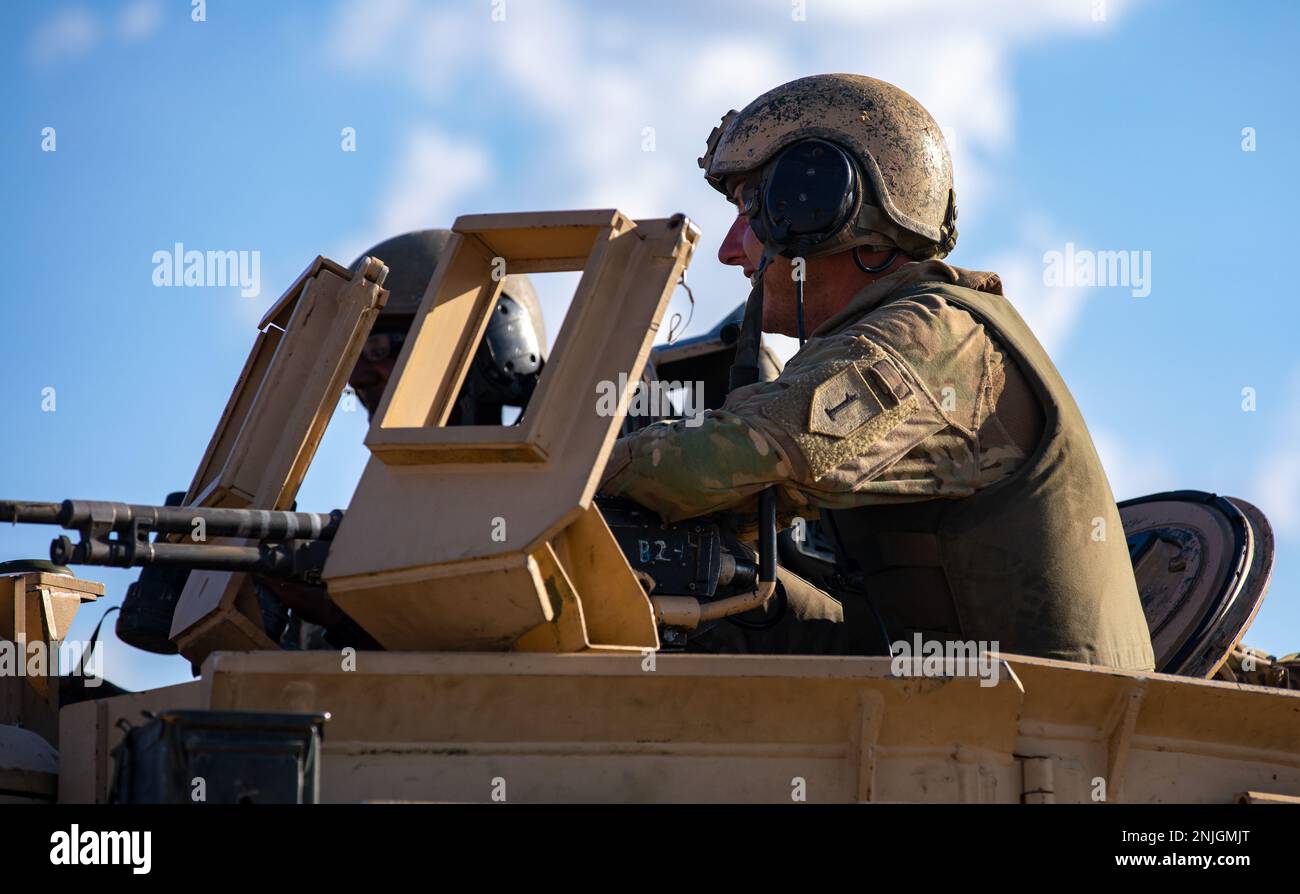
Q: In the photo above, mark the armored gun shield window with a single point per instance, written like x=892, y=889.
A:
x=465, y=536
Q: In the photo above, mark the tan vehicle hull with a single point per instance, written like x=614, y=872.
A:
x=479, y=727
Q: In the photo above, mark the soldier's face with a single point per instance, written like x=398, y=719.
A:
x=369, y=380
x=741, y=248
x=375, y=366
x=830, y=282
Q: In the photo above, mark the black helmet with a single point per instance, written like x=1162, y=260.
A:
x=510, y=357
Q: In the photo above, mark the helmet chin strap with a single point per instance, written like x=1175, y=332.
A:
x=879, y=268
x=745, y=367
x=745, y=371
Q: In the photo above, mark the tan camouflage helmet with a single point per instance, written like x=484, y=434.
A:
x=899, y=148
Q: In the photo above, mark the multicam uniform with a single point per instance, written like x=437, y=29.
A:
x=908, y=451
x=899, y=415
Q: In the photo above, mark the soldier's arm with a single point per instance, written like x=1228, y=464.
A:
x=682, y=472
x=837, y=429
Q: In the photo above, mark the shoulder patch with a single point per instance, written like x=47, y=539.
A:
x=842, y=404
x=846, y=412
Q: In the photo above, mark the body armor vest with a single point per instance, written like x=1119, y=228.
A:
x=1036, y=562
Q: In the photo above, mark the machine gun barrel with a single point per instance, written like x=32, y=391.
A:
x=300, y=559
x=250, y=524
x=30, y=513
x=290, y=544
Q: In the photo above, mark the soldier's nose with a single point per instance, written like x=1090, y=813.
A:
x=732, y=249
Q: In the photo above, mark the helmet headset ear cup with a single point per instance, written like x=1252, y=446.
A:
x=808, y=194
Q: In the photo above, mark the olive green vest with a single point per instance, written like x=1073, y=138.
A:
x=1036, y=562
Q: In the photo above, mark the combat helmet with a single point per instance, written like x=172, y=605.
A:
x=509, y=360
x=907, y=202
x=412, y=258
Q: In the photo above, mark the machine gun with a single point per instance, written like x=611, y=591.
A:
x=685, y=559
x=291, y=545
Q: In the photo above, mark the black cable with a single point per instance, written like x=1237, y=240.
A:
x=884, y=631
x=767, y=534
x=766, y=560
x=94, y=638
x=745, y=366
x=842, y=580
x=798, y=288
x=801, y=255
x=893, y=256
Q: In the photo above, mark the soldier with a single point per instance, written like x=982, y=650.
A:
x=508, y=361
x=506, y=368
x=922, y=420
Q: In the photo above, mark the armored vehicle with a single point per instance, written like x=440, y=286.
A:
x=519, y=639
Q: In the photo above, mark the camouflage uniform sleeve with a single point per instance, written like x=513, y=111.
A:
x=682, y=471
x=844, y=410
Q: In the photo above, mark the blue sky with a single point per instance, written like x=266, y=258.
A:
x=1120, y=131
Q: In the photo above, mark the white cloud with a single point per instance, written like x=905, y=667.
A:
x=427, y=188
x=430, y=48
x=68, y=33
x=1279, y=484
x=1014, y=18
x=139, y=19
x=1133, y=470
x=363, y=33
x=1277, y=479
x=1050, y=311
x=75, y=31
x=434, y=173
x=583, y=81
